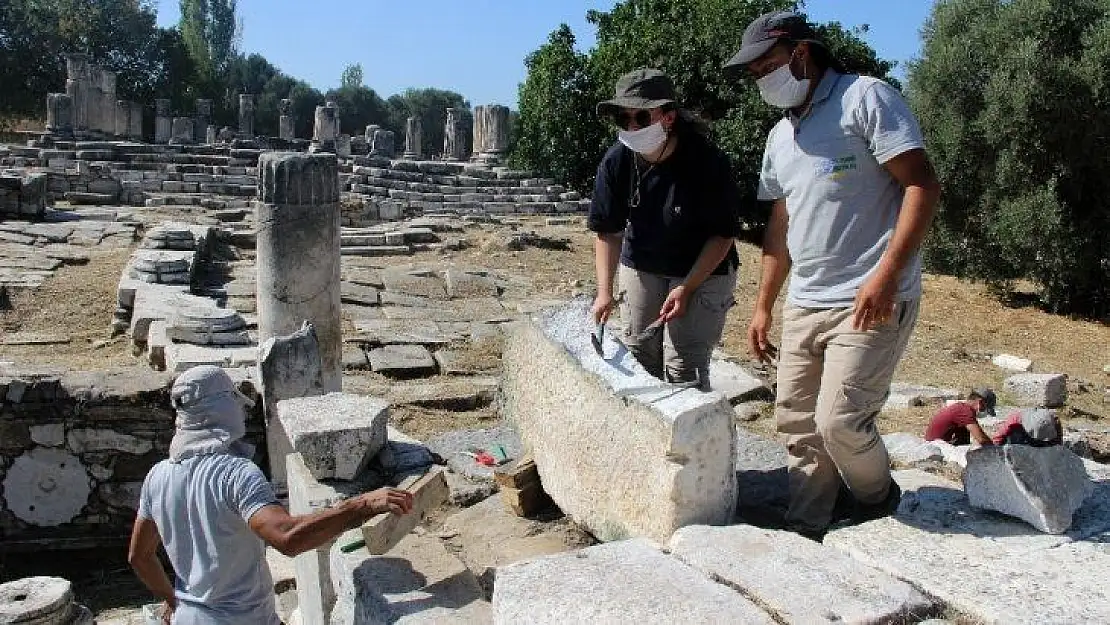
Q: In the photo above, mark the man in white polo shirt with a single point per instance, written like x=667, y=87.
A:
x=853, y=195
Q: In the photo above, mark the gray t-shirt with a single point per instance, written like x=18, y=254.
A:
x=843, y=204
x=201, y=507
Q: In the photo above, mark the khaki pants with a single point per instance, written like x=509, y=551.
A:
x=832, y=382
x=682, y=349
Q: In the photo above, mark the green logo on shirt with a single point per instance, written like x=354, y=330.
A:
x=837, y=168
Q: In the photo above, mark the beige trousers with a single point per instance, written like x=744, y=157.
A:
x=832, y=382
x=682, y=349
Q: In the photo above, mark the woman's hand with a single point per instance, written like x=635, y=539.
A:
x=676, y=304
x=603, y=307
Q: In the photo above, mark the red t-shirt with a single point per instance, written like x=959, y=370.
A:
x=946, y=424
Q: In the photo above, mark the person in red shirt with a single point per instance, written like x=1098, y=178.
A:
x=958, y=423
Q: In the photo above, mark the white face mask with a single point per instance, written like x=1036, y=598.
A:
x=781, y=90
x=645, y=140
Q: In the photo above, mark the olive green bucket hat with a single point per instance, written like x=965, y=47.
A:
x=644, y=88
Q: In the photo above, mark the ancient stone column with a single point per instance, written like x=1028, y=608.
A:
x=246, y=115
x=414, y=136
x=454, y=146
x=182, y=131
x=135, y=133
x=108, y=102
x=59, y=114
x=298, y=252
x=94, y=100
x=286, y=123
x=202, y=119
x=77, y=88
x=163, y=125
x=343, y=145
x=491, y=132
x=323, y=133
x=335, y=117
x=123, y=118
x=382, y=143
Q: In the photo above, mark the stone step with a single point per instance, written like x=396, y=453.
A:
x=796, y=578
x=936, y=532
x=630, y=581
x=377, y=250
x=91, y=199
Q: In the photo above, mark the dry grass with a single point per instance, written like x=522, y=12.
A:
x=77, y=302
x=426, y=423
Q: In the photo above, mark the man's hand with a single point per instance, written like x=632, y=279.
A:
x=167, y=613
x=676, y=304
x=758, y=343
x=874, y=302
x=603, y=307
x=388, y=499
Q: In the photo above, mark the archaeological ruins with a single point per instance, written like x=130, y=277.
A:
x=324, y=274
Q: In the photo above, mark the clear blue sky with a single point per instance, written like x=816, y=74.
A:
x=475, y=47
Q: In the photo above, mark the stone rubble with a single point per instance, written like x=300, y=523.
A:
x=1010, y=362
x=1045, y=390
x=337, y=434
x=1043, y=486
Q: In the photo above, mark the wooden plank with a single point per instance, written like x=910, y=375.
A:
x=384, y=531
x=527, y=501
x=517, y=474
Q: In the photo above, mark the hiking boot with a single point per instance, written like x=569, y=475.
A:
x=845, y=506
x=865, y=512
x=805, y=531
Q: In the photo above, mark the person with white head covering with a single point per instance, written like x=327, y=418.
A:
x=1036, y=427
x=214, y=512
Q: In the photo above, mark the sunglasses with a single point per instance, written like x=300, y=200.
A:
x=624, y=119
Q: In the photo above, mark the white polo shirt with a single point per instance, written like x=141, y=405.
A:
x=842, y=203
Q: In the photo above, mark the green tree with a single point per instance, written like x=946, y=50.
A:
x=358, y=107
x=551, y=134
x=1013, y=97
x=689, y=40
x=352, y=76
x=120, y=35
x=210, y=30
x=430, y=105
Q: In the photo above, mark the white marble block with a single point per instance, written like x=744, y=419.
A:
x=619, y=451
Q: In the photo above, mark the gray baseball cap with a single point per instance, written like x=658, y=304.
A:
x=643, y=88
x=989, y=399
x=765, y=31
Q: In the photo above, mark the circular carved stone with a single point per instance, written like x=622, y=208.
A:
x=46, y=487
x=36, y=600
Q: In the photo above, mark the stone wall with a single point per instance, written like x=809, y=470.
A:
x=374, y=188
x=74, y=449
x=22, y=195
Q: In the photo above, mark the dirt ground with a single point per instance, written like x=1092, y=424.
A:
x=960, y=326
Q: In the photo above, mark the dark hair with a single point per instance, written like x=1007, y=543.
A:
x=687, y=120
x=822, y=56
